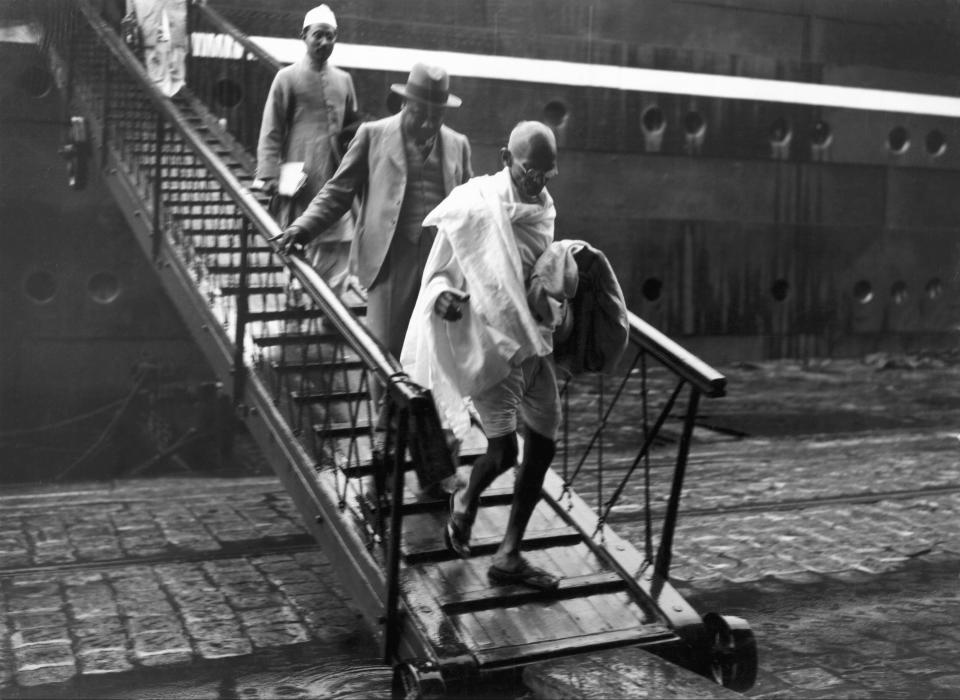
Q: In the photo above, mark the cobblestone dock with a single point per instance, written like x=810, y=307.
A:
x=110, y=579
x=839, y=542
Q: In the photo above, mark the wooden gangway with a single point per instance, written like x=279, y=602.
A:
x=298, y=363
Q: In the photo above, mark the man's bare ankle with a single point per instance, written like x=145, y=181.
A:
x=507, y=562
x=460, y=503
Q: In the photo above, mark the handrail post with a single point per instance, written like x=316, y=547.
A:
x=392, y=617
x=600, y=418
x=243, y=309
x=662, y=566
x=157, y=188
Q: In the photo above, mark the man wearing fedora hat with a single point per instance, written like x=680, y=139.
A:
x=310, y=110
x=403, y=166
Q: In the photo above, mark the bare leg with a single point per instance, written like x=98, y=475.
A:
x=501, y=455
x=538, y=452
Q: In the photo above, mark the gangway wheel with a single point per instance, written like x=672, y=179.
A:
x=733, y=651
x=418, y=680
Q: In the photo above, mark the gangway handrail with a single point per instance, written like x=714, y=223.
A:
x=681, y=361
x=236, y=34
x=374, y=355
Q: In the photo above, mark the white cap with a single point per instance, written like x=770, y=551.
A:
x=321, y=14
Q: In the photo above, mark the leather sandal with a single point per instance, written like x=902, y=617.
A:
x=526, y=575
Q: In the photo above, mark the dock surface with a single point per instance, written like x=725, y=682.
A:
x=837, y=539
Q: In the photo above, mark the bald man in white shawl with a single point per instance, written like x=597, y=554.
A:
x=472, y=334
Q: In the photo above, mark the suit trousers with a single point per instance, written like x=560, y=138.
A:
x=392, y=296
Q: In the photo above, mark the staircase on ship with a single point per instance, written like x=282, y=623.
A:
x=299, y=363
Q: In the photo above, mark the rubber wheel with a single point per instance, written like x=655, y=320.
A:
x=733, y=651
x=417, y=680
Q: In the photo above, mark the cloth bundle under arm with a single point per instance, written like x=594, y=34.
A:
x=574, y=290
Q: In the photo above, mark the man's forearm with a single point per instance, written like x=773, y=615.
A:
x=324, y=210
x=335, y=197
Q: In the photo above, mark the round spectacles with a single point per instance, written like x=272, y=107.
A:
x=536, y=177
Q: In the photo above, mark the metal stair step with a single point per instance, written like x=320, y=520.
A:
x=294, y=338
x=293, y=314
x=316, y=397
x=252, y=289
x=316, y=366
x=343, y=429
x=251, y=269
x=231, y=250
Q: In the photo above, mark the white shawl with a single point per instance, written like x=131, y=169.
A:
x=476, y=251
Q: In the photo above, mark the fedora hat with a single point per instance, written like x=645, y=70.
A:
x=428, y=84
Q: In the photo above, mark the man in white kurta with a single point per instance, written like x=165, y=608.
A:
x=309, y=104
x=473, y=335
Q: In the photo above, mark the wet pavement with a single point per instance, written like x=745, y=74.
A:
x=837, y=539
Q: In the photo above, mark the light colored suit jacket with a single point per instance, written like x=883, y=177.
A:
x=374, y=168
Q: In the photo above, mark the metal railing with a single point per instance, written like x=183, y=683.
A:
x=655, y=370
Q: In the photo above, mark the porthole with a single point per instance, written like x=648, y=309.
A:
x=228, y=93
x=934, y=288
x=694, y=125
x=104, y=287
x=936, y=143
x=780, y=132
x=555, y=114
x=652, y=289
x=36, y=81
x=898, y=292
x=821, y=134
x=780, y=289
x=898, y=140
x=40, y=286
x=394, y=102
x=652, y=120
x=863, y=292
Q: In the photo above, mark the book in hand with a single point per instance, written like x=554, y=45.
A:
x=292, y=179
